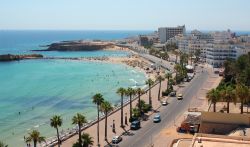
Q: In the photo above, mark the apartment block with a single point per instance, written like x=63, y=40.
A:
x=165, y=33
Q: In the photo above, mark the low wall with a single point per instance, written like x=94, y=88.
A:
x=225, y=118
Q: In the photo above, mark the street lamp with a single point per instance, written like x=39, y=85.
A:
x=126, y=119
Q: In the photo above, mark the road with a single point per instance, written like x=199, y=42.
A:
x=165, y=64
x=144, y=53
x=169, y=113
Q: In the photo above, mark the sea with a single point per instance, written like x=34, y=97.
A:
x=32, y=91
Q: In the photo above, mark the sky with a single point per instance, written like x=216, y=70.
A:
x=124, y=14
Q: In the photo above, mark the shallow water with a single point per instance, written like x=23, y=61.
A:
x=39, y=89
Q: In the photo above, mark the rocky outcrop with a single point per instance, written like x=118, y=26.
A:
x=78, y=46
x=10, y=57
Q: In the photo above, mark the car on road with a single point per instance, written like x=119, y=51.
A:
x=157, y=118
x=180, y=97
x=172, y=94
x=116, y=139
x=135, y=125
x=164, y=102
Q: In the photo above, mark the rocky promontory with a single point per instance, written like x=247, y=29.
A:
x=10, y=57
x=78, y=46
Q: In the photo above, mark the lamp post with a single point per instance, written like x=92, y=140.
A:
x=126, y=119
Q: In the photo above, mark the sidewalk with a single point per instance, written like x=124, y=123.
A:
x=116, y=117
x=167, y=135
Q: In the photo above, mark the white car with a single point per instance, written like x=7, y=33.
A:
x=116, y=139
x=164, y=102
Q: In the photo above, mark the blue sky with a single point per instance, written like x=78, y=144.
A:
x=124, y=14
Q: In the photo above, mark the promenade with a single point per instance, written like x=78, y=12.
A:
x=116, y=117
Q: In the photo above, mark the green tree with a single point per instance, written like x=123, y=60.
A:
x=139, y=92
x=149, y=82
x=122, y=92
x=87, y=140
x=106, y=107
x=130, y=92
x=197, y=54
x=242, y=93
x=98, y=100
x=55, y=122
x=168, y=76
x=228, y=93
x=160, y=79
x=79, y=120
x=213, y=97
x=2, y=144
x=35, y=137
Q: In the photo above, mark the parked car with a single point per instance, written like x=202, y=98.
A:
x=164, y=103
x=180, y=97
x=157, y=118
x=116, y=139
x=135, y=125
x=172, y=94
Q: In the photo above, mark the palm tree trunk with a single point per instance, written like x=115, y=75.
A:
x=58, y=139
x=106, y=118
x=80, y=139
x=121, y=111
x=214, y=107
x=130, y=106
x=228, y=103
x=139, y=103
x=35, y=142
x=159, y=91
x=149, y=96
x=241, y=107
x=98, y=144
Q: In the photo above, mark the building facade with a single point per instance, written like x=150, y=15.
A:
x=165, y=33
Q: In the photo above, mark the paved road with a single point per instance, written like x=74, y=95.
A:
x=163, y=63
x=143, y=137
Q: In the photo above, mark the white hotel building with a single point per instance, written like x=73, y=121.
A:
x=215, y=47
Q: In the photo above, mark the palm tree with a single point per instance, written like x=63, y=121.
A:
x=242, y=93
x=122, y=92
x=87, y=140
x=168, y=76
x=139, y=91
x=106, y=107
x=55, y=122
x=79, y=120
x=149, y=82
x=228, y=93
x=213, y=97
x=160, y=79
x=2, y=144
x=177, y=53
x=98, y=100
x=35, y=137
x=130, y=92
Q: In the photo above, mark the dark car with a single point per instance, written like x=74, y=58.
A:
x=116, y=139
x=172, y=94
x=135, y=125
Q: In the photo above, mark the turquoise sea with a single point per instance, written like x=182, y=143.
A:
x=39, y=89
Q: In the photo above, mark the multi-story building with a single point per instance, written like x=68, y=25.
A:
x=166, y=33
x=216, y=54
x=195, y=41
x=222, y=37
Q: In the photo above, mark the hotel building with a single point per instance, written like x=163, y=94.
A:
x=166, y=33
